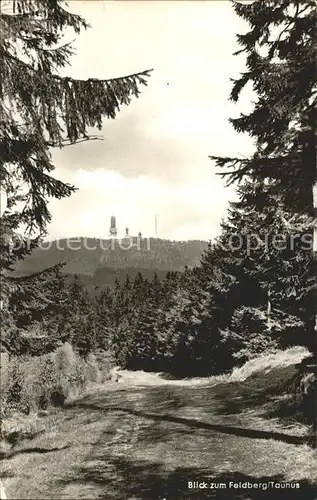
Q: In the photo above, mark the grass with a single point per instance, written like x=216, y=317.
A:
x=268, y=363
x=146, y=437
x=31, y=385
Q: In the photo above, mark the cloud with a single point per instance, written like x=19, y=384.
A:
x=189, y=212
x=154, y=156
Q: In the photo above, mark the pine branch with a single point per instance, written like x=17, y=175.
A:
x=18, y=16
x=277, y=41
x=84, y=139
x=46, y=272
x=56, y=49
x=144, y=73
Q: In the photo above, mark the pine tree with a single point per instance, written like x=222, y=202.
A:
x=142, y=353
x=179, y=317
x=281, y=65
x=38, y=297
x=117, y=311
x=37, y=307
x=82, y=319
x=147, y=323
x=155, y=290
x=259, y=267
x=40, y=110
x=57, y=288
x=104, y=315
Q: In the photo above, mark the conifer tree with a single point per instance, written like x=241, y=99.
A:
x=81, y=323
x=38, y=297
x=104, y=315
x=146, y=324
x=280, y=50
x=117, y=304
x=281, y=65
x=258, y=273
x=40, y=110
x=37, y=306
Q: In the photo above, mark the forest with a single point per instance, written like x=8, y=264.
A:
x=252, y=291
x=89, y=256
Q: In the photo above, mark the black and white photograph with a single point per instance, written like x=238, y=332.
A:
x=158, y=249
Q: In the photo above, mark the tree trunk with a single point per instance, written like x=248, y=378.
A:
x=268, y=312
x=315, y=252
x=315, y=331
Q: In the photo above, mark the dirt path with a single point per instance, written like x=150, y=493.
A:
x=146, y=439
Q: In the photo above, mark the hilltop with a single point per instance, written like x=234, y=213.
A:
x=102, y=261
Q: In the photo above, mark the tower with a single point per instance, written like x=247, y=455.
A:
x=113, y=227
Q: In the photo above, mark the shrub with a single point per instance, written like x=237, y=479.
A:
x=92, y=371
x=303, y=388
x=15, y=385
x=18, y=427
x=32, y=383
x=5, y=382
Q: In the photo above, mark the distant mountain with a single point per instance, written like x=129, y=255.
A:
x=102, y=261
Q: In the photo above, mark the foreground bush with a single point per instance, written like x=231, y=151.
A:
x=16, y=427
x=32, y=383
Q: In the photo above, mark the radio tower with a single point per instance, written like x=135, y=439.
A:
x=155, y=225
x=113, y=227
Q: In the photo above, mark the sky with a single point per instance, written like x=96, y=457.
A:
x=153, y=158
